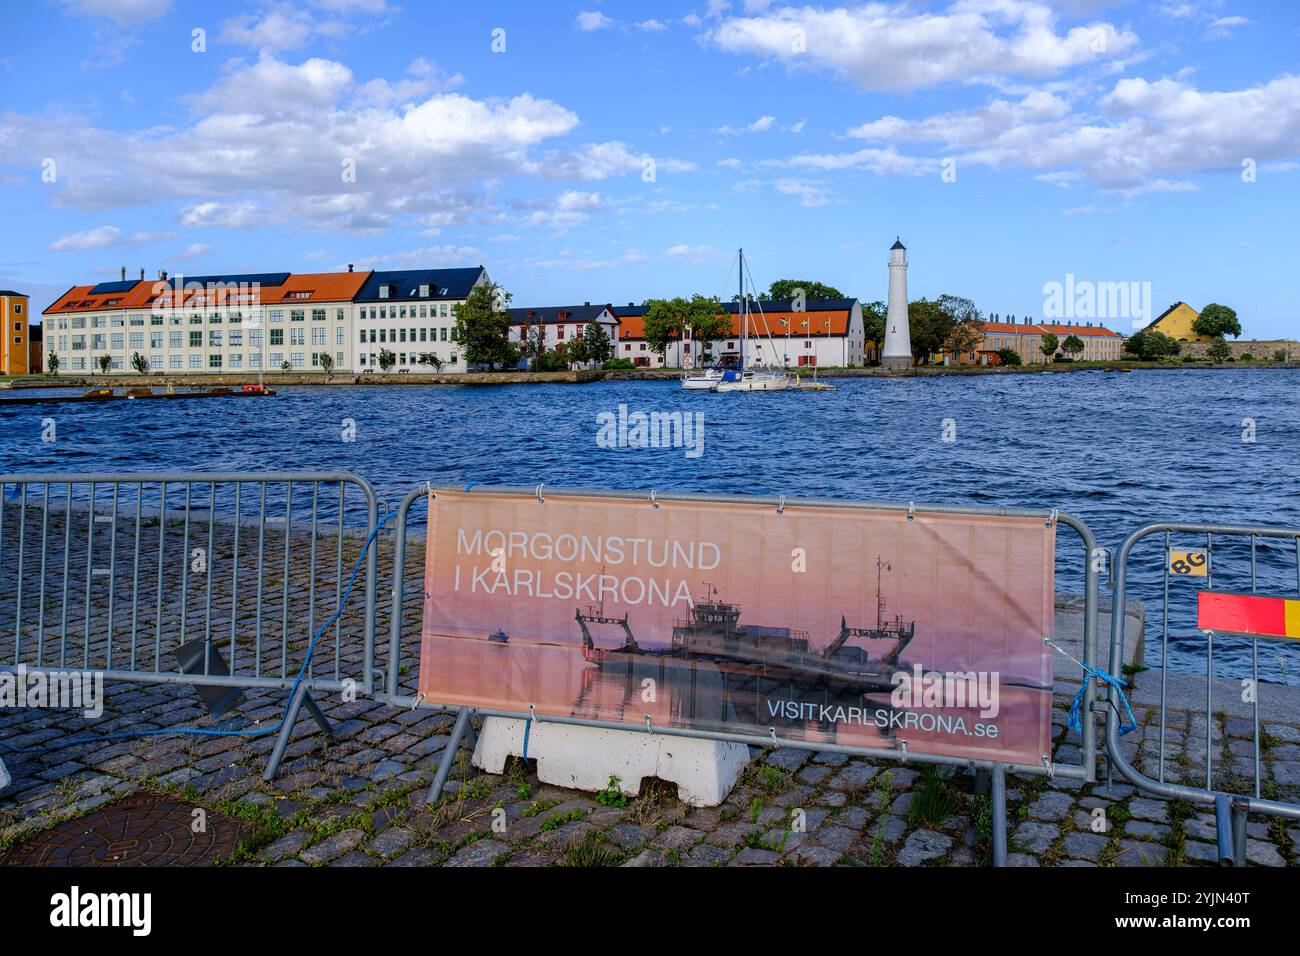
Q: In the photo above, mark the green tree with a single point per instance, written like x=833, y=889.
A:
x=793, y=288
x=1217, y=321
x=1049, y=344
x=139, y=363
x=387, y=359
x=597, y=344
x=1150, y=345
x=930, y=324
x=1009, y=356
x=1073, y=345
x=960, y=308
x=664, y=321
x=429, y=358
x=52, y=363
x=873, y=323
x=532, y=343
x=709, y=322
x=326, y=362
x=285, y=366
x=1219, y=349
x=966, y=336
x=482, y=328
x=105, y=363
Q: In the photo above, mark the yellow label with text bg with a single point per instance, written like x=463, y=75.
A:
x=1188, y=564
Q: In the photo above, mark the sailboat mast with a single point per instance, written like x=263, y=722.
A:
x=744, y=316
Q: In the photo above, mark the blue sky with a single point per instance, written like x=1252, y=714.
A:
x=618, y=151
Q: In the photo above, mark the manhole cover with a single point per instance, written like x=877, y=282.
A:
x=136, y=831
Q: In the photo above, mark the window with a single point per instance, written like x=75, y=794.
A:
x=372, y=335
x=174, y=340
x=196, y=340
x=361, y=359
x=255, y=360
x=296, y=315
x=423, y=338
x=276, y=358
x=236, y=338
x=97, y=342
x=236, y=360
x=297, y=337
x=424, y=311
x=277, y=336
x=276, y=315
x=338, y=315
x=363, y=336
x=174, y=361
x=214, y=361
x=382, y=335
x=317, y=335
x=338, y=358
x=255, y=338
x=338, y=335
x=318, y=315
x=196, y=361
x=116, y=339
x=403, y=334
x=79, y=342
x=214, y=338
x=79, y=364
x=155, y=340
x=443, y=337
x=18, y=308
x=155, y=361
x=296, y=359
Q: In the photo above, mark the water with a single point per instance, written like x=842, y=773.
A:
x=1116, y=450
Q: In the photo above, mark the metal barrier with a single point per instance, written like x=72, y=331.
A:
x=214, y=580
x=1199, y=561
x=398, y=674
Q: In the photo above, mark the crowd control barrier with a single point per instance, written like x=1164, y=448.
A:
x=220, y=581
x=766, y=621
x=1219, y=582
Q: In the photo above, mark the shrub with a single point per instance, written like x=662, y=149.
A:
x=1247, y=357
x=617, y=364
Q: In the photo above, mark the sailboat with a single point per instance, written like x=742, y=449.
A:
x=756, y=378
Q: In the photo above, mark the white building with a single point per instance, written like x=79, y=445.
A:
x=563, y=323
x=825, y=332
x=235, y=323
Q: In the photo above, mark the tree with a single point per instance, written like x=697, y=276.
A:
x=285, y=366
x=596, y=341
x=532, y=343
x=1073, y=345
x=387, y=359
x=930, y=325
x=1049, y=344
x=482, y=328
x=1009, y=356
x=966, y=336
x=326, y=364
x=960, y=308
x=104, y=362
x=873, y=323
x=1150, y=345
x=52, y=363
x=664, y=321
x=1217, y=321
x=794, y=288
x=709, y=322
x=139, y=363
x=429, y=358
x=1219, y=349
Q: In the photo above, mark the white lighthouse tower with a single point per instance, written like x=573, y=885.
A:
x=897, y=353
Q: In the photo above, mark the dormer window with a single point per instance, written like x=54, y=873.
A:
x=383, y=291
x=424, y=291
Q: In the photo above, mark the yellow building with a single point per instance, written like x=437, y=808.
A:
x=1176, y=322
x=13, y=347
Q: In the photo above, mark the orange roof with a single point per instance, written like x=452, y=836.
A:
x=1059, y=329
x=1011, y=328
x=80, y=299
x=318, y=286
x=802, y=324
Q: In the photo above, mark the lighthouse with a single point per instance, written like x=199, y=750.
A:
x=897, y=353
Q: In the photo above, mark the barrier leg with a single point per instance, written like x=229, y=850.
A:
x=449, y=755
x=300, y=697
x=999, y=815
x=1239, y=832
x=1223, y=819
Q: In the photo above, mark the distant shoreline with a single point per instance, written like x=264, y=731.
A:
x=588, y=376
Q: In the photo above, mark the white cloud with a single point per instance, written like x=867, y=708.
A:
x=1143, y=135
x=571, y=208
x=589, y=21
x=283, y=27
x=889, y=48
x=195, y=250
x=651, y=26
x=424, y=257
x=121, y=12
x=101, y=237
x=691, y=253
x=273, y=86
x=760, y=125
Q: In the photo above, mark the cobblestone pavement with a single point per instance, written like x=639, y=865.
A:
x=359, y=799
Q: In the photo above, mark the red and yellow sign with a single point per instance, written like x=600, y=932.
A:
x=1248, y=614
x=829, y=624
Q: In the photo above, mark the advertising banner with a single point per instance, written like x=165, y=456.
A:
x=828, y=624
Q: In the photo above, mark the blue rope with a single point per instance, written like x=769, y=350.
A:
x=221, y=731
x=469, y=486
x=528, y=725
x=1076, y=705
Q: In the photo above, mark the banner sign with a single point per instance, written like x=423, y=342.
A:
x=1248, y=614
x=828, y=624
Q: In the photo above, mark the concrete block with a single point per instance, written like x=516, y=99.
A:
x=584, y=758
x=4, y=775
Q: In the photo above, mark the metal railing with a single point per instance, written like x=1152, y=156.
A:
x=400, y=665
x=216, y=580
x=1246, y=564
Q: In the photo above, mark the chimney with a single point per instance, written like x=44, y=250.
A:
x=349, y=267
x=123, y=273
x=142, y=273
x=586, y=303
